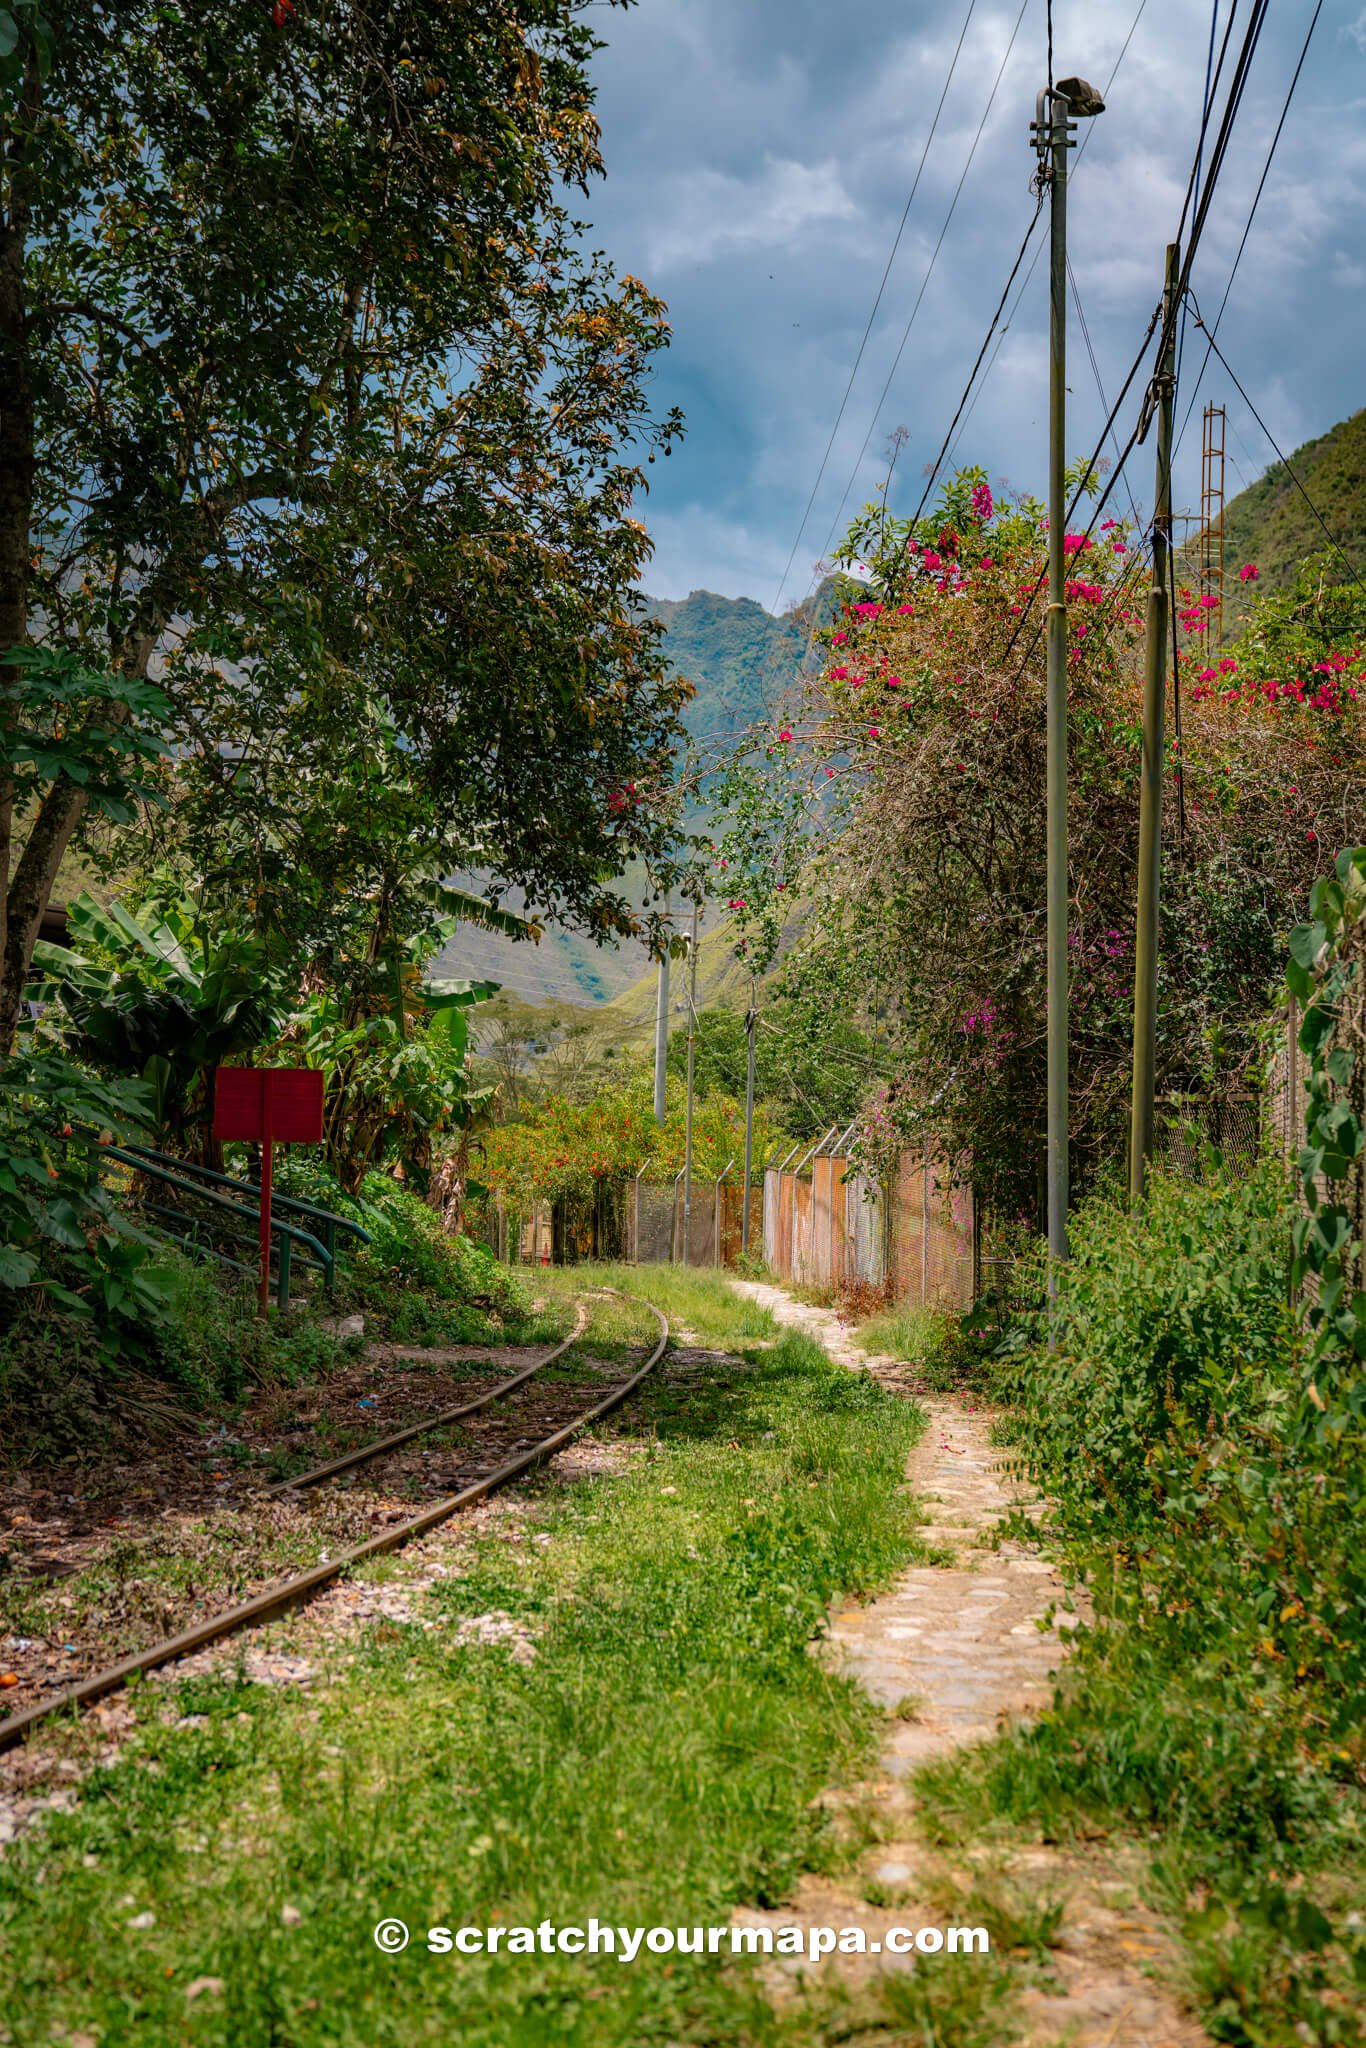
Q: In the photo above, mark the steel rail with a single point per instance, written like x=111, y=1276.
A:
x=448, y=1415
x=288, y=1593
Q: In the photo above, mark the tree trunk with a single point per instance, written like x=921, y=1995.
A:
x=16, y=486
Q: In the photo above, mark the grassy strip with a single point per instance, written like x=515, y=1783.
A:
x=656, y=1761
x=1190, y=1718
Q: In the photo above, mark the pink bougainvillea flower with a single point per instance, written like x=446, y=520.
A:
x=785, y=734
x=830, y=773
x=867, y=611
x=838, y=639
x=982, y=501
x=1074, y=543
x=1249, y=573
x=874, y=733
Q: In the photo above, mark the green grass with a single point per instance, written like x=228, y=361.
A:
x=917, y=1336
x=658, y=1761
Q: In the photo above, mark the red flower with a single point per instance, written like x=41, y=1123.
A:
x=281, y=12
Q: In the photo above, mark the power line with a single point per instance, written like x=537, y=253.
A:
x=1252, y=214
x=1095, y=372
x=1208, y=98
x=896, y=244
x=924, y=283
x=1218, y=156
x=1090, y=130
x=972, y=378
x=1331, y=538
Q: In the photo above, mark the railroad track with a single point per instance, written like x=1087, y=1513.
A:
x=285, y=1594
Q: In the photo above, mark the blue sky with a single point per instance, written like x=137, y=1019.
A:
x=759, y=155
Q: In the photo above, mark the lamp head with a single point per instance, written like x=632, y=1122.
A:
x=1082, y=98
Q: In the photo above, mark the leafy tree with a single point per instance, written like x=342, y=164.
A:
x=808, y=1080
x=314, y=406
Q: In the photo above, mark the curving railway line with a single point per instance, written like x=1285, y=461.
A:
x=524, y=1455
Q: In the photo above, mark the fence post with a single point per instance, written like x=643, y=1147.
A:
x=924, y=1221
x=635, y=1249
x=796, y=1175
x=716, y=1209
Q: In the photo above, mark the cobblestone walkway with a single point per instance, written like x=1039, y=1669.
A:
x=954, y=1651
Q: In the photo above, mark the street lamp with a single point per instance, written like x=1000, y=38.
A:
x=1056, y=114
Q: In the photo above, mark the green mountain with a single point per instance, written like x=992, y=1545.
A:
x=741, y=660
x=1270, y=525
x=742, y=663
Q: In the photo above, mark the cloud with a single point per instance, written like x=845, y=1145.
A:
x=719, y=213
x=759, y=161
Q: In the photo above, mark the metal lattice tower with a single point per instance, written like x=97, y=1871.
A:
x=1212, y=516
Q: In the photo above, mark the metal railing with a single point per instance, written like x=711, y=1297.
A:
x=317, y=1251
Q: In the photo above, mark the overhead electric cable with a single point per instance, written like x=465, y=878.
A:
x=1252, y=214
x=1090, y=129
x=1237, y=86
x=1199, y=147
x=1330, y=537
x=986, y=343
x=924, y=283
x=1095, y=372
x=887, y=271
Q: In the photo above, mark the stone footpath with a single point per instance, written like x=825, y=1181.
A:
x=954, y=1651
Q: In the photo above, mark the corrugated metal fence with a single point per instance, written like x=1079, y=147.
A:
x=826, y=1224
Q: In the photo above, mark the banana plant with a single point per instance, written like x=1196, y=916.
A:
x=160, y=997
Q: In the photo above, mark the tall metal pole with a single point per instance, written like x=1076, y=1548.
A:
x=1057, y=1174
x=687, y=1134
x=662, y=1036
x=751, y=1024
x=1143, y=1119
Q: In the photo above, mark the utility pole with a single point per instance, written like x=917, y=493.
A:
x=751, y=1025
x=662, y=1032
x=1160, y=397
x=1052, y=139
x=692, y=1041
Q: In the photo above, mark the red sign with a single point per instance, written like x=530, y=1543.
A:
x=268, y=1106
x=282, y=1104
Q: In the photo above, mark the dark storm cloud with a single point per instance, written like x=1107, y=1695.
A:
x=759, y=155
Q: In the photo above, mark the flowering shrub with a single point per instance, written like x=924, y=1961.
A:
x=927, y=872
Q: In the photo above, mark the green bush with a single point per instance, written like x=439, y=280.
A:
x=417, y=1282
x=1168, y=1320
x=63, y=1242
x=1207, y=1500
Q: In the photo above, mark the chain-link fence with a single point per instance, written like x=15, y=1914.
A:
x=1198, y=1135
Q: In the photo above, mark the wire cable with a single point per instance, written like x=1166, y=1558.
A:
x=924, y=283
x=887, y=271
x=1218, y=155
x=1330, y=537
x=972, y=377
x=1034, y=262
x=1252, y=215
x=1095, y=372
